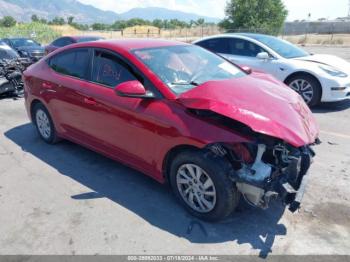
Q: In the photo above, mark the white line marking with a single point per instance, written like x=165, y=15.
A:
x=335, y=134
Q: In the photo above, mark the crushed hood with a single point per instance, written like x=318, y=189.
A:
x=329, y=60
x=260, y=102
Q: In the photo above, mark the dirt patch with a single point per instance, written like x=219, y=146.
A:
x=333, y=213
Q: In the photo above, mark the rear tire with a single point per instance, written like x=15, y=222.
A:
x=307, y=87
x=44, y=124
x=214, y=195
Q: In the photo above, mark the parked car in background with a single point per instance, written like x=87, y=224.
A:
x=26, y=47
x=181, y=114
x=6, y=52
x=11, y=68
x=68, y=40
x=317, y=78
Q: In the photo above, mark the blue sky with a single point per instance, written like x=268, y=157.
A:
x=298, y=9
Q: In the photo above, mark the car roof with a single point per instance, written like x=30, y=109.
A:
x=77, y=37
x=250, y=34
x=130, y=44
x=17, y=38
x=243, y=35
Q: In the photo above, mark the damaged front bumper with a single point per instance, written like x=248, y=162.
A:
x=276, y=172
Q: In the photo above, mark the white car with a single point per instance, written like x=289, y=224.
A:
x=317, y=78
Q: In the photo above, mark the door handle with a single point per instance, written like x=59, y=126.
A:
x=47, y=85
x=90, y=101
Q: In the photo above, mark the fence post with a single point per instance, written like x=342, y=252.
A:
x=332, y=33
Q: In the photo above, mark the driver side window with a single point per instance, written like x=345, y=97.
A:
x=241, y=47
x=109, y=70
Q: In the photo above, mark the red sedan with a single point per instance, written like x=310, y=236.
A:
x=181, y=115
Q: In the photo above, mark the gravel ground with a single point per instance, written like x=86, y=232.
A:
x=65, y=199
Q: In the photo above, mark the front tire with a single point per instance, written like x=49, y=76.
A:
x=44, y=124
x=200, y=181
x=307, y=87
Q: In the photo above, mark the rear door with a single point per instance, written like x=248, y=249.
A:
x=217, y=45
x=62, y=86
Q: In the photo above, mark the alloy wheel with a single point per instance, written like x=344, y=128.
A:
x=43, y=124
x=304, y=88
x=196, y=188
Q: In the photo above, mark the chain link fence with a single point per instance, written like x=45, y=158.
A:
x=181, y=34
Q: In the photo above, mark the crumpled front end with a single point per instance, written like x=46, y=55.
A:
x=278, y=122
x=268, y=169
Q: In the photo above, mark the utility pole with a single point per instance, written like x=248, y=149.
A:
x=349, y=9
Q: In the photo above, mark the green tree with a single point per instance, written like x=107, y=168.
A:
x=35, y=18
x=266, y=16
x=158, y=23
x=8, y=21
x=70, y=20
x=99, y=26
x=200, y=22
x=57, y=21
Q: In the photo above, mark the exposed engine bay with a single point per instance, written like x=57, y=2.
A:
x=265, y=169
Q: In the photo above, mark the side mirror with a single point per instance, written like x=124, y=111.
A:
x=263, y=56
x=247, y=69
x=133, y=89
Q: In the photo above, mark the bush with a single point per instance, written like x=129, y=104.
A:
x=42, y=33
x=8, y=21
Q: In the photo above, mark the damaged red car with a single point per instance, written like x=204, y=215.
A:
x=181, y=115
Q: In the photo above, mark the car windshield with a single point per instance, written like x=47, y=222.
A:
x=182, y=68
x=281, y=47
x=6, y=52
x=88, y=39
x=23, y=42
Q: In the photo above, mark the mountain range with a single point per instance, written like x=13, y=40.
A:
x=22, y=10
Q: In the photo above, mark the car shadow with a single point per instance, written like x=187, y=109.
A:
x=330, y=107
x=148, y=199
x=9, y=97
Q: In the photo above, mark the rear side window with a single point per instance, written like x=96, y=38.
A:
x=62, y=42
x=243, y=47
x=109, y=70
x=73, y=63
x=216, y=45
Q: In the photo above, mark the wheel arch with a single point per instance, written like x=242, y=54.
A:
x=171, y=154
x=32, y=105
x=303, y=73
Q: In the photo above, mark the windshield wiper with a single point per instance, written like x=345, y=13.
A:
x=192, y=83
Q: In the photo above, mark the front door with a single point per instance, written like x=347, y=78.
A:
x=244, y=53
x=125, y=128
